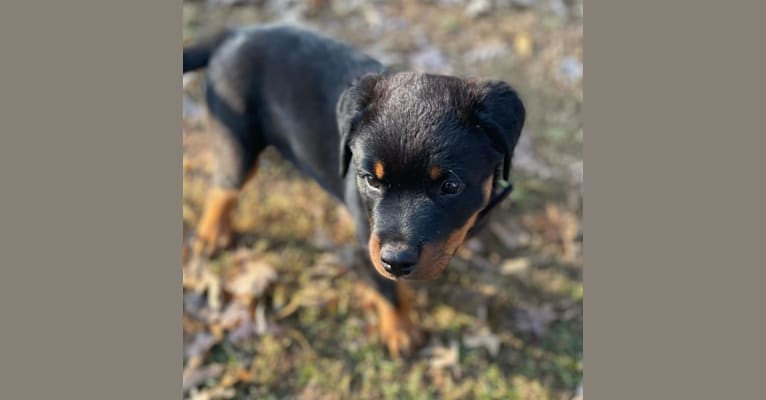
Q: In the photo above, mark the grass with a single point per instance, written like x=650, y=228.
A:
x=328, y=346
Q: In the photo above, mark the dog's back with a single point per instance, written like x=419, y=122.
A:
x=286, y=82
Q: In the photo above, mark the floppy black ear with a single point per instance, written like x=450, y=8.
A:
x=500, y=113
x=351, y=108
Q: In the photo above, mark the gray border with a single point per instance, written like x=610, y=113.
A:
x=90, y=162
x=673, y=93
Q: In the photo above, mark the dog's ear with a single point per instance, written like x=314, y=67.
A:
x=500, y=113
x=352, y=107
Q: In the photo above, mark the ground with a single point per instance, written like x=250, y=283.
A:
x=279, y=315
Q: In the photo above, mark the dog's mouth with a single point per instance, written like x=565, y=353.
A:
x=433, y=259
x=425, y=272
x=430, y=266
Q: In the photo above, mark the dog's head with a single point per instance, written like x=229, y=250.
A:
x=426, y=151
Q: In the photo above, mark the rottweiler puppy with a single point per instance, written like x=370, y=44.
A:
x=418, y=159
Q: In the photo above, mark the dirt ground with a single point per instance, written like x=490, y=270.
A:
x=278, y=316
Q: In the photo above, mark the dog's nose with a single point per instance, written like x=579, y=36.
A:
x=398, y=259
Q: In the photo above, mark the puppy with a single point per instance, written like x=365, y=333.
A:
x=418, y=159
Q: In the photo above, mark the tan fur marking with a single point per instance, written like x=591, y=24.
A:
x=379, y=172
x=374, y=248
x=435, y=256
x=435, y=173
x=215, y=223
x=487, y=190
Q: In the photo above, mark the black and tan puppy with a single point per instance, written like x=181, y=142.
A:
x=418, y=159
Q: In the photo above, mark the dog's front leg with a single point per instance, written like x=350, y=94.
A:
x=393, y=305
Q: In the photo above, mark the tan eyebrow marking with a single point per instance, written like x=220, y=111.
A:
x=435, y=172
x=379, y=172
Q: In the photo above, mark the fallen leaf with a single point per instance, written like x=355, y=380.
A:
x=213, y=283
x=510, y=234
x=251, y=283
x=193, y=376
x=515, y=266
x=529, y=388
x=236, y=318
x=310, y=296
x=198, y=279
x=535, y=319
x=522, y=44
x=578, y=393
x=191, y=110
x=212, y=393
x=261, y=326
x=233, y=315
x=242, y=332
x=194, y=304
x=572, y=69
x=442, y=357
x=203, y=341
x=475, y=245
x=483, y=338
x=233, y=375
x=487, y=52
x=478, y=8
x=431, y=58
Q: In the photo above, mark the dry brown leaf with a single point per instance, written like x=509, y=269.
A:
x=242, y=332
x=522, y=44
x=252, y=281
x=241, y=255
x=233, y=375
x=198, y=348
x=216, y=331
x=510, y=234
x=193, y=376
x=215, y=393
x=193, y=373
x=535, y=319
x=261, y=326
x=515, y=266
x=237, y=320
x=233, y=315
x=529, y=388
x=483, y=338
x=192, y=325
x=311, y=296
x=213, y=283
x=442, y=357
x=198, y=279
x=194, y=304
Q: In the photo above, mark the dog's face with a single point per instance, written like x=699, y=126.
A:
x=425, y=150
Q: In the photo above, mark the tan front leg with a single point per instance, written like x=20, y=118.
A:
x=214, y=228
x=397, y=330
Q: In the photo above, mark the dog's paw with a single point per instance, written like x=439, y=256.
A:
x=397, y=331
x=211, y=238
x=400, y=335
x=214, y=230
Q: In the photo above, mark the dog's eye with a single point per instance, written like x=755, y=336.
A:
x=451, y=187
x=372, y=182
